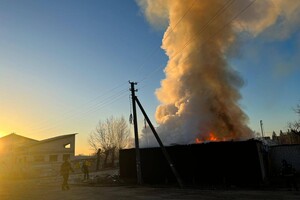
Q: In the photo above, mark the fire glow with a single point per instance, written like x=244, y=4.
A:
x=210, y=138
x=200, y=91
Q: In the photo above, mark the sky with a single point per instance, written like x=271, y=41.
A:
x=65, y=65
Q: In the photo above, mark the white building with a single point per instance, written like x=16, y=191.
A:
x=25, y=157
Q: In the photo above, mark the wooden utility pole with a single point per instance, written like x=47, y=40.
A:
x=136, y=136
x=165, y=153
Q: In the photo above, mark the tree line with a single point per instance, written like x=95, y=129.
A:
x=109, y=137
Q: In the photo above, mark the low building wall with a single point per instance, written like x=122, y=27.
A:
x=290, y=153
x=214, y=163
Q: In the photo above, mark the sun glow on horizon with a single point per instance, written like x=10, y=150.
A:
x=2, y=133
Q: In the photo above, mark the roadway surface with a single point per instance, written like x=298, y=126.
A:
x=51, y=190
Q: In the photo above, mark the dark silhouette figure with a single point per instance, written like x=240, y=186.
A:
x=85, y=170
x=65, y=169
x=289, y=173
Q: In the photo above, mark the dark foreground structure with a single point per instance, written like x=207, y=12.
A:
x=216, y=163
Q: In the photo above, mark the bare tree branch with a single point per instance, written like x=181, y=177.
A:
x=295, y=126
x=109, y=134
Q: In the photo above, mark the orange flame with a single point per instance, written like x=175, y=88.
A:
x=211, y=137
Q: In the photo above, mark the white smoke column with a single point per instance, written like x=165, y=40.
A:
x=199, y=96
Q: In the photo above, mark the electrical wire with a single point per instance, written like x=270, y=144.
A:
x=117, y=96
x=109, y=100
x=213, y=35
x=99, y=107
x=219, y=12
x=74, y=112
x=166, y=36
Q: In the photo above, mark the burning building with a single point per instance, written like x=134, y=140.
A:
x=215, y=163
x=199, y=97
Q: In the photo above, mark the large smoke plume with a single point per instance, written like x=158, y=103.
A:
x=199, y=96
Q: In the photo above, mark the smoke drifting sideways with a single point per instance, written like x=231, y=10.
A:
x=199, y=97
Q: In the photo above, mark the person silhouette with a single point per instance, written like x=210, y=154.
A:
x=65, y=169
x=85, y=170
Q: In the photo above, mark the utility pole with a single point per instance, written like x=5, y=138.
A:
x=261, y=128
x=165, y=153
x=136, y=136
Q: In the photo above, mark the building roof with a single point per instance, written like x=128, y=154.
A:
x=25, y=141
x=56, y=138
x=15, y=137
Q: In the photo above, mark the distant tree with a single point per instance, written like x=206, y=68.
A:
x=110, y=136
x=295, y=126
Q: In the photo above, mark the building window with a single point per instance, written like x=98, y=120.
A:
x=66, y=156
x=53, y=158
x=67, y=146
x=39, y=158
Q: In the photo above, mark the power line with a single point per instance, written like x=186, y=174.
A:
x=57, y=125
x=109, y=100
x=167, y=35
x=193, y=38
x=229, y=22
x=220, y=11
x=116, y=96
x=88, y=104
x=71, y=113
x=186, y=12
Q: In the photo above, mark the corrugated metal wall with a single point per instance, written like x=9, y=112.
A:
x=215, y=163
x=290, y=153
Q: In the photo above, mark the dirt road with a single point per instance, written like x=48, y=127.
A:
x=39, y=190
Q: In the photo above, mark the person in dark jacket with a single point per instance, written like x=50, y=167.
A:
x=65, y=169
x=85, y=170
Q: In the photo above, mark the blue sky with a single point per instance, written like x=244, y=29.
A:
x=65, y=65
x=271, y=91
